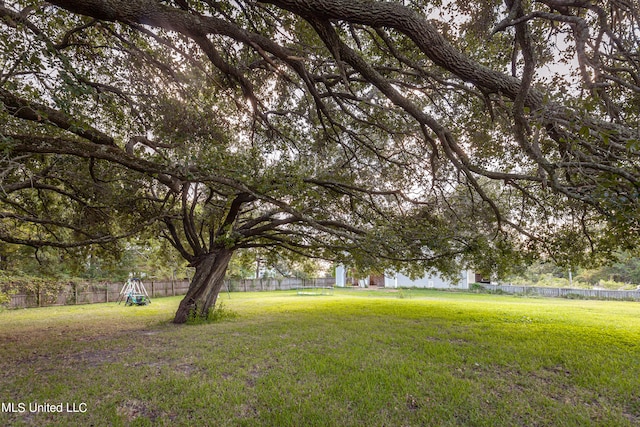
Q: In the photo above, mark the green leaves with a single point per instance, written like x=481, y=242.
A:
x=393, y=143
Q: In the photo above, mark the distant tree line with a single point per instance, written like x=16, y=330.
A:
x=625, y=273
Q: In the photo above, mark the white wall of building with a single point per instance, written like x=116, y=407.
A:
x=434, y=281
x=341, y=276
x=399, y=280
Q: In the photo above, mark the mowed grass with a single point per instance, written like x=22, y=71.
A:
x=356, y=358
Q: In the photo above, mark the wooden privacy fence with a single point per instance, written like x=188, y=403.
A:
x=604, y=294
x=90, y=293
x=251, y=285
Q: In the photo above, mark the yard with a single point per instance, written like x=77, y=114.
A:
x=355, y=358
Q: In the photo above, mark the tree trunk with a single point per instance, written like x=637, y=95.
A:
x=205, y=286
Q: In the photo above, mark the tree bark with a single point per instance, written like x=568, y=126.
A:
x=205, y=285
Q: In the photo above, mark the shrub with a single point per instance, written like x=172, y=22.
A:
x=4, y=299
x=477, y=287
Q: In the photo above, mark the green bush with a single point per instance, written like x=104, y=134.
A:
x=4, y=299
x=477, y=287
x=613, y=285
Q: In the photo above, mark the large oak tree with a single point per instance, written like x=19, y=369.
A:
x=376, y=132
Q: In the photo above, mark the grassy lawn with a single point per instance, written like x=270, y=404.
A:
x=357, y=358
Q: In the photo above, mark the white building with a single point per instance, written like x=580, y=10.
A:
x=399, y=280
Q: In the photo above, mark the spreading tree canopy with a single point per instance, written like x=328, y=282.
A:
x=418, y=134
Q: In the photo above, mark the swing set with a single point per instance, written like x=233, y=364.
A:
x=134, y=293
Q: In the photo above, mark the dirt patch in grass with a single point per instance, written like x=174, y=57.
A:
x=188, y=369
x=132, y=409
x=545, y=386
x=413, y=403
x=246, y=411
x=632, y=410
x=95, y=358
x=255, y=373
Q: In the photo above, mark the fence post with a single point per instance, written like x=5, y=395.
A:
x=152, y=295
x=106, y=292
x=75, y=293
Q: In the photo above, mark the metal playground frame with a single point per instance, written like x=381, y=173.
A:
x=133, y=292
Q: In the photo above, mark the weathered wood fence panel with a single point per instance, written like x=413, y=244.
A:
x=565, y=292
x=91, y=293
x=252, y=285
